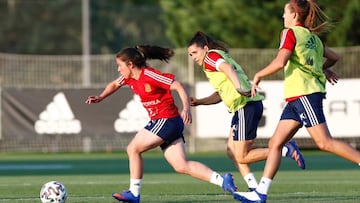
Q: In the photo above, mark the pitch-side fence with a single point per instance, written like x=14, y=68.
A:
x=42, y=100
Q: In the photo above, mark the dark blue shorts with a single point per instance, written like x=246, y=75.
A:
x=169, y=129
x=307, y=110
x=245, y=121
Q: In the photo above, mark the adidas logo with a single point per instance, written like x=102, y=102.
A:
x=311, y=43
x=310, y=61
x=132, y=118
x=57, y=118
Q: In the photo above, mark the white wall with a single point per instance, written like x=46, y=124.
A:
x=341, y=108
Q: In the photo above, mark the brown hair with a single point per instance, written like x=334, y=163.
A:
x=140, y=53
x=201, y=39
x=311, y=15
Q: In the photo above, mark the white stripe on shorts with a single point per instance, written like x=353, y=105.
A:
x=157, y=127
x=309, y=111
x=241, y=130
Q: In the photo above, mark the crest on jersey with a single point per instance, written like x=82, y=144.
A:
x=147, y=87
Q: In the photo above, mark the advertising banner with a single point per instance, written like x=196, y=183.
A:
x=341, y=108
x=40, y=118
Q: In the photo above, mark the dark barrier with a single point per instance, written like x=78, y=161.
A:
x=57, y=120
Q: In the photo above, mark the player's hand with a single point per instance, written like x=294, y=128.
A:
x=194, y=101
x=254, y=86
x=186, y=116
x=93, y=99
x=244, y=92
x=331, y=76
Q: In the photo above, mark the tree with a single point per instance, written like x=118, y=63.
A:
x=251, y=24
x=116, y=24
x=346, y=31
x=42, y=27
x=54, y=27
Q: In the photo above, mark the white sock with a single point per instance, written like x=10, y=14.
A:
x=359, y=164
x=284, y=151
x=135, y=186
x=251, y=180
x=264, y=185
x=216, y=179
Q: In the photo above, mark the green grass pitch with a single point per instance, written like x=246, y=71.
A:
x=91, y=178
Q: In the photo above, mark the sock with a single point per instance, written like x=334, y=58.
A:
x=264, y=185
x=135, y=186
x=251, y=180
x=216, y=179
x=359, y=164
x=284, y=151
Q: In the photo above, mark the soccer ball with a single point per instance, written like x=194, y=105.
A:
x=53, y=192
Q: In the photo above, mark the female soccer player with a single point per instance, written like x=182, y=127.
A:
x=165, y=128
x=301, y=55
x=233, y=88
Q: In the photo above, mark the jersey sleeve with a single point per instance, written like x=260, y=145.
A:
x=212, y=61
x=121, y=80
x=163, y=80
x=288, y=40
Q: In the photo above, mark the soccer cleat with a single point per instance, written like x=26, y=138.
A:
x=294, y=153
x=251, y=189
x=126, y=196
x=228, y=184
x=250, y=197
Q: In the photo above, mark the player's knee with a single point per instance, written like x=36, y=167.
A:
x=241, y=158
x=132, y=150
x=229, y=152
x=271, y=143
x=129, y=149
x=324, y=145
x=180, y=168
x=274, y=145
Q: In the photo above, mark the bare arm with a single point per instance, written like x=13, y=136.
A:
x=185, y=113
x=109, y=89
x=330, y=59
x=277, y=64
x=212, y=99
x=231, y=74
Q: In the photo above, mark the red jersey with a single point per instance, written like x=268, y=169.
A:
x=212, y=61
x=153, y=88
x=288, y=40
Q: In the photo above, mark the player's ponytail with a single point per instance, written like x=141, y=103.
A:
x=202, y=40
x=311, y=16
x=155, y=52
x=140, y=53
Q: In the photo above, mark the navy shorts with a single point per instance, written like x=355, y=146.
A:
x=245, y=121
x=307, y=110
x=169, y=129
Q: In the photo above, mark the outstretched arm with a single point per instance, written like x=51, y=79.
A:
x=109, y=89
x=185, y=113
x=212, y=99
x=277, y=64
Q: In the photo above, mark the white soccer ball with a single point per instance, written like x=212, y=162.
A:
x=53, y=192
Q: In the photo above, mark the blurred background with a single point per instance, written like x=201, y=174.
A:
x=57, y=26
x=54, y=53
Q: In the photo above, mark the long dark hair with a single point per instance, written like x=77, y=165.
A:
x=140, y=53
x=202, y=40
